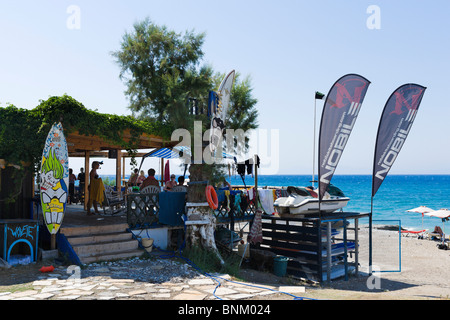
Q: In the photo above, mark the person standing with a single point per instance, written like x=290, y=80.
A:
x=72, y=179
x=81, y=184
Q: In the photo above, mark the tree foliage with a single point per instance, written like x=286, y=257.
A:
x=161, y=70
x=163, y=74
x=23, y=132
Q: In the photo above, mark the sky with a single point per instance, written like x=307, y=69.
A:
x=290, y=49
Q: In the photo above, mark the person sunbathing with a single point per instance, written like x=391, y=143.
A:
x=438, y=230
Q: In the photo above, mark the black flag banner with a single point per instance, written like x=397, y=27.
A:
x=339, y=114
x=395, y=123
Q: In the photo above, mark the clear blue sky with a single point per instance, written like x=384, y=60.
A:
x=289, y=48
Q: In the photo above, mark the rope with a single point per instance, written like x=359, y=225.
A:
x=173, y=254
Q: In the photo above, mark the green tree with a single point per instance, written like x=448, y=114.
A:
x=161, y=70
x=163, y=73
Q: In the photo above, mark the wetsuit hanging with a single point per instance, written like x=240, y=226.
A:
x=241, y=171
x=249, y=166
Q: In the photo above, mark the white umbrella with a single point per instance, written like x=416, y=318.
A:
x=422, y=210
x=442, y=214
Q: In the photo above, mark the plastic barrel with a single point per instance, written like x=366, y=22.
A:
x=280, y=265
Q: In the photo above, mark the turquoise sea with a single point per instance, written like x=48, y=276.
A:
x=397, y=194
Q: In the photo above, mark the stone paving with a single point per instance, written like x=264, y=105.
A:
x=109, y=282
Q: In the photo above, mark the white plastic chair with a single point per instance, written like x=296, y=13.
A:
x=151, y=189
x=179, y=189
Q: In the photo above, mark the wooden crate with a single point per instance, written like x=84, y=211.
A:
x=296, y=238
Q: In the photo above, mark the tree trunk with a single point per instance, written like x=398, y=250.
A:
x=196, y=191
x=199, y=210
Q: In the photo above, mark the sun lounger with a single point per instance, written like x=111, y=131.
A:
x=414, y=232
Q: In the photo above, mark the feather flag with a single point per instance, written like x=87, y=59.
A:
x=339, y=114
x=395, y=123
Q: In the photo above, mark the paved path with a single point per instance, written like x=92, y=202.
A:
x=64, y=284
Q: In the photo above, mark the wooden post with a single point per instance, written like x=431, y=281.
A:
x=53, y=242
x=86, y=179
x=118, y=170
x=123, y=170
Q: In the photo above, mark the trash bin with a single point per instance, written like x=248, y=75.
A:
x=280, y=265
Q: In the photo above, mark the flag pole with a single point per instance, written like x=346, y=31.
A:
x=370, y=236
x=314, y=143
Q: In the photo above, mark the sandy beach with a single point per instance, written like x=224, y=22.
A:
x=424, y=271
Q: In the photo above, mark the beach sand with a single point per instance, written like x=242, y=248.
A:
x=425, y=272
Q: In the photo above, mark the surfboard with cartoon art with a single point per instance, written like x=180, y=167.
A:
x=54, y=178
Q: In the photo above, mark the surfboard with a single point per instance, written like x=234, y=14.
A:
x=54, y=178
x=218, y=118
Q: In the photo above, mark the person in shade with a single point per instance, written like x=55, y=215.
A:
x=150, y=180
x=171, y=183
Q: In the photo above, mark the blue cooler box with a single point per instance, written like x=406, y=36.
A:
x=172, y=208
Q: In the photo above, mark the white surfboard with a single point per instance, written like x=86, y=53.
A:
x=54, y=178
x=218, y=118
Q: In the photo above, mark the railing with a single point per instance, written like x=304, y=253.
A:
x=146, y=209
x=235, y=206
x=142, y=209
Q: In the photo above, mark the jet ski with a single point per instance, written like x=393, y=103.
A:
x=305, y=200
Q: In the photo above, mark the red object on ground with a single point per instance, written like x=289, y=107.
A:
x=47, y=269
x=415, y=232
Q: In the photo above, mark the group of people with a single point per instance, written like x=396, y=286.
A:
x=142, y=181
x=96, y=186
x=72, y=178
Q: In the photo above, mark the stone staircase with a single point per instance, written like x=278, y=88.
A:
x=102, y=243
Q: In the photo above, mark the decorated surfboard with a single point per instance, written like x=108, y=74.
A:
x=54, y=178
x=218, y=117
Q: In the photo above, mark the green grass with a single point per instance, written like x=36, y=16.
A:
x=207, y=260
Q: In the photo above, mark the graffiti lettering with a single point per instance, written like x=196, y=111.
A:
x=22, y=232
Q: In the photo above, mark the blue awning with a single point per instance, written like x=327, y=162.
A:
x=167, y=153
x=176, y=152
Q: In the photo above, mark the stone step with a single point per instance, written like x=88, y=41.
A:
x=111, y=256
x=90, y=230
x=99, y=238
x=102, y=243
x=105, y=248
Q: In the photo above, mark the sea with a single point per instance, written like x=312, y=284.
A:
x=397, y=194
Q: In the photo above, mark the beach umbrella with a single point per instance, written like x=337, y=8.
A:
x=442, y=214
x=422, y=210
